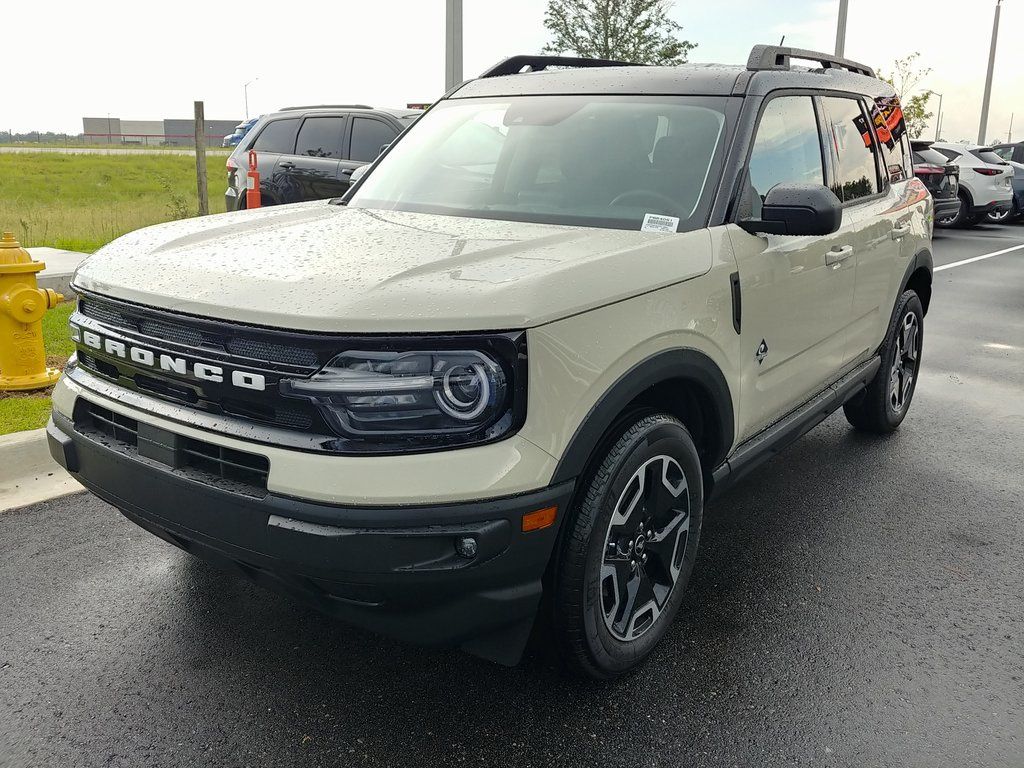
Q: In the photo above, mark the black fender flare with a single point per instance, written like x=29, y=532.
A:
x=922, y=259
x=679, y=363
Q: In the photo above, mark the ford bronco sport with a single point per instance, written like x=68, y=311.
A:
x=503, y=375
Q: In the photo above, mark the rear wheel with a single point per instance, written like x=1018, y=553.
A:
x=882, y=406
x=999, y=217
x=629, y=548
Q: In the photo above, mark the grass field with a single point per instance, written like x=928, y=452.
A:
x=30, y=410
x=80, y=202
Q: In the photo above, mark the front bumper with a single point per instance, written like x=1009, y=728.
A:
x=392, y=570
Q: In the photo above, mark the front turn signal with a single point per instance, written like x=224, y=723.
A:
x=539, y=519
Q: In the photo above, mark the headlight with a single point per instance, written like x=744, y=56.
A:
x=402, y=399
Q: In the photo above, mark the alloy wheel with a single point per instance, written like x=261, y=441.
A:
x=644, y=547
x=904, y=364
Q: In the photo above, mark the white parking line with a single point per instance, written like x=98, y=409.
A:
x=978, y=258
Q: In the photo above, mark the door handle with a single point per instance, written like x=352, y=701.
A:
x=837, y=254
x=287, y=165
x=900, y=232
x=347, y=171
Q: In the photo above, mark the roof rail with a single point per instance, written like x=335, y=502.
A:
x=766, y=57
x=326, y=106
x=517, y=64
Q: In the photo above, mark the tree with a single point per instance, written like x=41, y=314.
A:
x=904, y=78
x=637, y=31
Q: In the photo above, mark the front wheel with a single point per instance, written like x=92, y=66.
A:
x=629, y=548
x=883, y=405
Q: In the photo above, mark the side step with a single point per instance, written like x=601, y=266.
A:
x=773, y=439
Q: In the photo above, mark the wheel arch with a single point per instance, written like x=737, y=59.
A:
x=918, y=278
x=685, y=383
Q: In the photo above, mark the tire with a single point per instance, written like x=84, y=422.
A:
x=961, y=215
x=1002, y=217
x=883, y=405
x=635, y=526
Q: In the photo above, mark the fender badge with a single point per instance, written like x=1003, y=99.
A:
x=762, y=351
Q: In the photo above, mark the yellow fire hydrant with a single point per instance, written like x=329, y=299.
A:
x=22, y=306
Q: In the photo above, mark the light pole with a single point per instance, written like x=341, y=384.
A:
x=938, y=116
x=841, y=29
x=452, y=44
x=245, y=92
x=983, y=127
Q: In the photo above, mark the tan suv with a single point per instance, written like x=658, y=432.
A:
x=507, y=370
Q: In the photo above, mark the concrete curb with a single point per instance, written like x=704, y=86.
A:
x=28, y=474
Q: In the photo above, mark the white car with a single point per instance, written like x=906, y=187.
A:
x=986, y=184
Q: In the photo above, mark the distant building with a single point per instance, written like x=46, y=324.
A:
x=155, y=133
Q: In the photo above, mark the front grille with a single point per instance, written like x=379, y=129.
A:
x=239, y=342
x=224, y=468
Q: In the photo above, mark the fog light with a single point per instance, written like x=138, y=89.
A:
x=466, y=546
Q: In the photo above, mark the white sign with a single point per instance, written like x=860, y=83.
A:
x=653, y=222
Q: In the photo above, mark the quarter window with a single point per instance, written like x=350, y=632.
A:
x=856, y=166
x=320, y=137
x=278, y=136
x=368, y=136
x=787, y=148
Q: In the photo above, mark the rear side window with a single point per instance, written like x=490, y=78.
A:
x=891, y=130
x=951, y=154
x=988, y=156
x=368, y=136
x=277, y=136
x=787, y=148
x=856, y=169
x=320, y=137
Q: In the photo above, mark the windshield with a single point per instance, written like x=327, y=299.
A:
x=606, y=161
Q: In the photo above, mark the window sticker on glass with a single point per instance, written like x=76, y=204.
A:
x=654, y=222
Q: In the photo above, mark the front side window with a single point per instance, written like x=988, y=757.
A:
x=277, y=136
x=320, y=137
x=787, y=148
x=856, y=169
x=605, y=161
x=368, y=137
x=1004, y=152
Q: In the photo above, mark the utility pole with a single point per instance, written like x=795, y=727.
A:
x=983, y=128
x=841, y=29
x=245, y=90
x=204, y=200
x=452, y=44
x=938, y=116
x=1009, y=132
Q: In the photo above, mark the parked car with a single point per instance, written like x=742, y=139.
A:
x=985, y=184
x=232, y=139
x=1014, y=152
x=309, y=153
x=1017, y=206
x=941, y=176
x=501, y=377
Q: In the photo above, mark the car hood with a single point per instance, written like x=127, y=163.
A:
x=322, y=267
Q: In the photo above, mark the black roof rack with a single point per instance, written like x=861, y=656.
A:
x=766, y=57
x=326, y=106
x=517, y=64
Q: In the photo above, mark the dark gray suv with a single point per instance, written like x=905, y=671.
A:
x=309, y=153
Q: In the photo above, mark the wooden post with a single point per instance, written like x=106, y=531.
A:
x=204, y=200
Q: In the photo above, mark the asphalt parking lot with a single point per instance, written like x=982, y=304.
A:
x=857, y=602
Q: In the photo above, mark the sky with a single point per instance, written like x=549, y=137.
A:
x=65, y=59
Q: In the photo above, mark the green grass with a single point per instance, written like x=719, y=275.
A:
x=30, y=410
x=80, y=202
x=21, y=413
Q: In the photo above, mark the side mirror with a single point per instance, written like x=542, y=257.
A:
x=358, y=173
x=383, y=149
x=797, y=209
